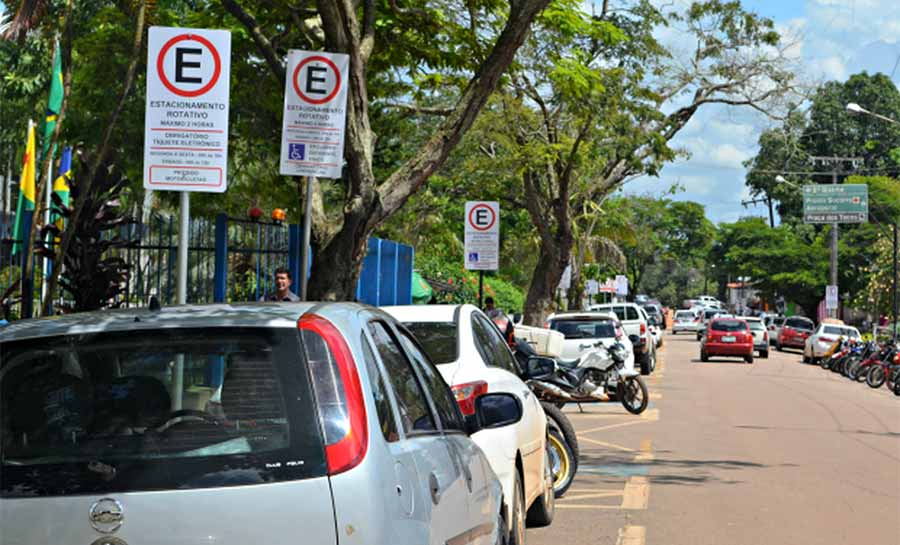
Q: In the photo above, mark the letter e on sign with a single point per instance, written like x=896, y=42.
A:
x=317, y=80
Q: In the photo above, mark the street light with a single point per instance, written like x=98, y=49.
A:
x=856, y=109
x=780, y=179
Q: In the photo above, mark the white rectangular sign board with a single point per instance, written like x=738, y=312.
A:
x=315, y=109
x=621, y=285
x=186, y=117
x=482, y=248
x=831, y=297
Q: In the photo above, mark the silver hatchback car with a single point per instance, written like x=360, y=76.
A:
x=271, y=423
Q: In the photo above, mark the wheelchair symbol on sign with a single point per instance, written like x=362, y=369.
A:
x=296, y=152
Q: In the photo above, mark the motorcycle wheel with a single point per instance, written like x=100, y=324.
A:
x=875, y=377
x=861, y=372
x=825, y=363
x=853, y=369
x=634, y=395
x=897, y=388
x=561, y=422
x=563, y=462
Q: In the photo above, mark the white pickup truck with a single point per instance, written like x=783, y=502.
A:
x=634, y=320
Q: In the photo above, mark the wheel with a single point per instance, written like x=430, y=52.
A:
x=542, y=510
x=502, y=527
x=704, y=357
x=653, y=361
x=875, y=377
x=779, y=347
x=674, y=332
x=749, y=359
x=645, y=365
x=764, y=354
x=825, y=363
x=805, y=358
x=862, y=371
x=897, y=388
x=634, y=395
x=564, y=463
x=517, y=526
x=561, y=422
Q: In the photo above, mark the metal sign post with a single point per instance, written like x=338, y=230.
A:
x=312, y=130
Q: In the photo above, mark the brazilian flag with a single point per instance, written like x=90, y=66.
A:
x=54, y=103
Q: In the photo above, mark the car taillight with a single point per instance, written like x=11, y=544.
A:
x=643, y=328
x=339, y=394
x=546, y=325
x=467, y=393
x=826, y=339
x=765, y=335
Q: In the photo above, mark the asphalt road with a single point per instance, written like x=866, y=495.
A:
x=773, y=453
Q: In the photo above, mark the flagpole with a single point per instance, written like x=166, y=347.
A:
x=47, y=202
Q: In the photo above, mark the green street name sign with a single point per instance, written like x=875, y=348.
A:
x=846, y=203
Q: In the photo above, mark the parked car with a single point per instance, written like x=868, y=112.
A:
x=656, y=330
x=727, y=337
x=685, y=321
x=634, y=321
x=824, y=337
x=323, y=422
x=474, y=358
x=774, y=324
x=760, y=336
x=654, y=310
x=583, y=329
x=794, y=332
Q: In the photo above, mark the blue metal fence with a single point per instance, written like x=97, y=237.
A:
x=229, y=260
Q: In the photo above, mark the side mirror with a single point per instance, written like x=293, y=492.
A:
x=517, y=317
x=539, y=366
x=635, y=339
x=497, y=410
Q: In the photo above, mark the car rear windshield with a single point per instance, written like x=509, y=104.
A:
x=622, y=312
x=837, y=330
x=710, y=313
x=585, y=329
x=799, y=323
x=728, y=325
x=756, y=325
x=438, y=339
x=155, y=410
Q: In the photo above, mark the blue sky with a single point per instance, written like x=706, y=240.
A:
x=832, y=40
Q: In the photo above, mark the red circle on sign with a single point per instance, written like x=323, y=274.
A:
x=489, y=209
x=337, y=78
x=162, y=75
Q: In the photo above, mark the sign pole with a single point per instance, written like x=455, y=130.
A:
x=304, y=248
x=184, y=225
x=894, y=306
x=480, y=289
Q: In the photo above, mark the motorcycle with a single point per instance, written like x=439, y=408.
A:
x=599, y=375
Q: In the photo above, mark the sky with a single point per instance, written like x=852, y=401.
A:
x=833, y=40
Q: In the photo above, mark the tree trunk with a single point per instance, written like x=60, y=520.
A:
x=552, y=260
x=576, y=288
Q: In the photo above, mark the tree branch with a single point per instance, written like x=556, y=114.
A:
x=273, y=60
x=426, y=110
x=367, y=44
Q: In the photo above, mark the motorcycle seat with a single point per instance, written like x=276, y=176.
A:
x=568, y=364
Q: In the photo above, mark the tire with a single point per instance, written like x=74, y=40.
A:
x=861, y=372
x=805, y=358
x=779, y=347
x=749, y=359
x=875, y=377
x=704, y=357
x=517, y=524
x=628, y=400
x=565, y=463
x=764, y=354
x=897, y=388
x=561, y=422
x=825, y=363
x=674, y=332
x=543, y=509
x=502, y=527
x=645, y=364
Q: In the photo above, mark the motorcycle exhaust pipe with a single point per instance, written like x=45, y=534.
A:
x=551, y=389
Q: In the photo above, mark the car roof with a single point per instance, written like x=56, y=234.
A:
x=595, y=315
x=751, y=319
x=215, y=315
x=427, y=313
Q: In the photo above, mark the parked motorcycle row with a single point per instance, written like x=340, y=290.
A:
x=875, y=363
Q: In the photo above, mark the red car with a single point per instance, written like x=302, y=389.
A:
x=794, y=332
x=727, y=337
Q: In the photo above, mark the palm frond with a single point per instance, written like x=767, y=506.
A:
x=28, y=16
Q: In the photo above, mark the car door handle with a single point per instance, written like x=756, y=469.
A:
x=584, y=346
x=435, y=488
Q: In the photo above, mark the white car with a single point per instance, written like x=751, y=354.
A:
x=685, y=320
x=634, y=320
x=760, y=335
x=824, y=337
x=474, y=359
x=583, y=329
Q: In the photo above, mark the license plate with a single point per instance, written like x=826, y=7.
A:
x=728, y=339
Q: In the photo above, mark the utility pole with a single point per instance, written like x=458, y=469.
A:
x=835, y=163
x=766, y=200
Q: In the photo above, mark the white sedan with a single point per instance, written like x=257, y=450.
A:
x=583, y=329
x=824, y=337
x=474, y=359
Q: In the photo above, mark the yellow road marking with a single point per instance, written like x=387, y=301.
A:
x=611, y=426
x=656, y=395
x=646, y=445
x=605, y=444
x=652, y=415
x=607, y=494
x=646, y=454
x=632, y=535
x=598, y=415
x=637, y=493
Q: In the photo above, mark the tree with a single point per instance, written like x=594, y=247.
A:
x=340, y=239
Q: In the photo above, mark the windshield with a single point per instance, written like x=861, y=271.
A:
x=756, y=325
x=799, y=323
x=438, y=339
x=837, y=330
x=710, y=313
x=728, y=325
x=585, y=329
x=154, y=410
x=684, y=316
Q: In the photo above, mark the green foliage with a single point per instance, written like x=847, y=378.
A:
x=506, y=295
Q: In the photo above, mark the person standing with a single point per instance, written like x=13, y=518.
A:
x=282, y=287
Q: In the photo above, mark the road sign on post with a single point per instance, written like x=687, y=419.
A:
x=315, y=110
x=840, y=203
x=621, y=285
x=831, y=297
x=482, y=245
x=186, y=121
